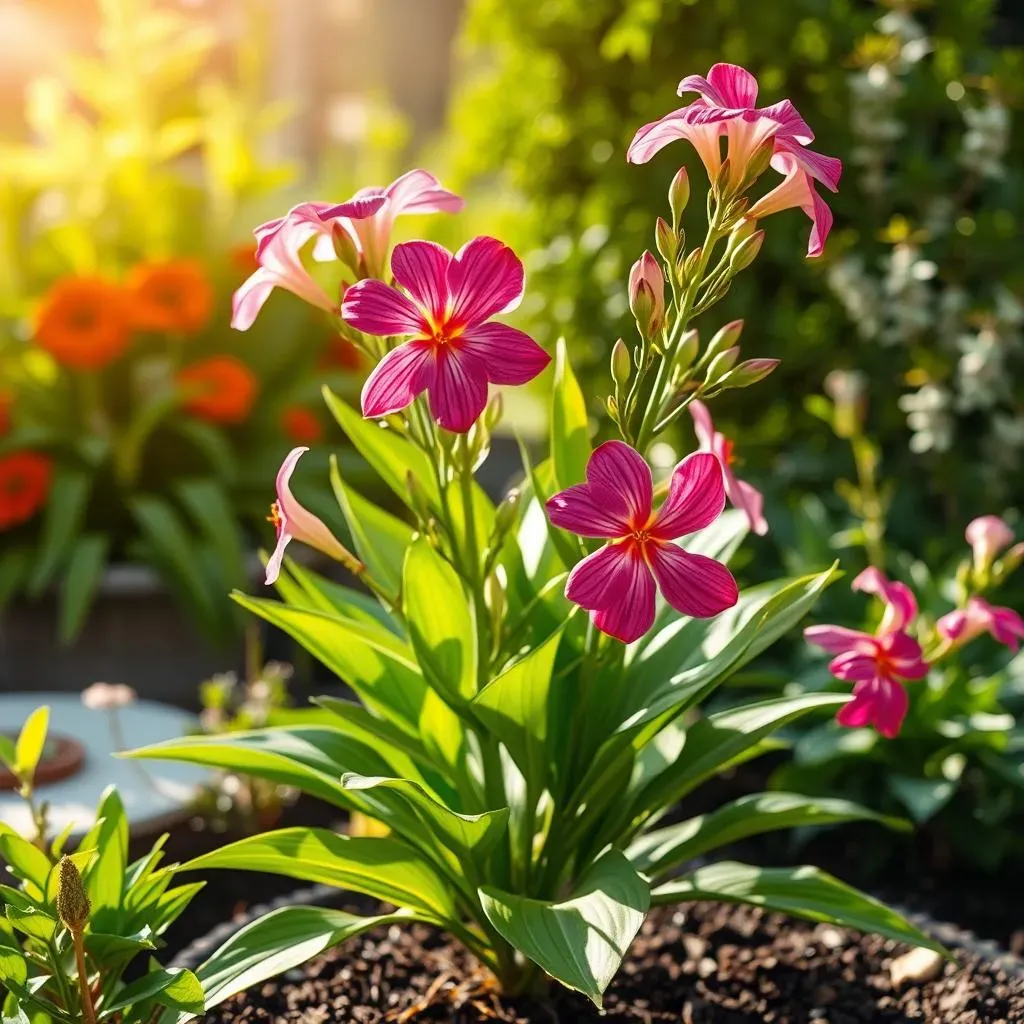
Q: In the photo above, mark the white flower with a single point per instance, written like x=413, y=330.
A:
x=108, y=696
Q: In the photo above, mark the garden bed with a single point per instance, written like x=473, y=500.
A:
x=704, y=963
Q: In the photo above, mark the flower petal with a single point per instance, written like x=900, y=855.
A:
x=621, y=481
x=579, y=510
x=791, y=124
x=249, y=298
x=852, y=666
x=362, y=205
x=838, y=639
x=704, y=137
x=486, y=277
x=510, y=355
x=879, y=702
x=826, y=169
x=749, y=500
x=421, y=268
x=1007, y=627
x=734, y=86
x=696, y=497
x=419, y=191
x=458, y=392
x=374, y=308
x=398, y=378
x=905, y=655
x=615, y=584
x=901, y=605
x=821, y=225
x=695, y=585
x=703, y=425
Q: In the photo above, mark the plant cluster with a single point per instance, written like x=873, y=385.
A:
x=530, y=675
x=132, y=423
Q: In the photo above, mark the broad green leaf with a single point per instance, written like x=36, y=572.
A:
x=659, y=851
x=26, y=862
x=32, y=922
x=923, y=798
x=335, y=598
x=29, y=747
x=62, y=522
x=570, y=430
x=281, y=940
x=171, y=904
x=440, y=620
x=13, y=967
x=175, y=988
x=713, y=742
x=580, y=942
x=380, y=538
x=209, y=506
x=310, y=758
x=15, y=566
x=378, y=665
x=801, y=891
x=84, y=571
x=105, y=880
x=410, y=810
x=383, y=867
x=514, y=707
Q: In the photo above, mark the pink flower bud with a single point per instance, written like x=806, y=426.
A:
x=987, y=535
x=647, y=271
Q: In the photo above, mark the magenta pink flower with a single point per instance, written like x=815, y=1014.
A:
x=987, y=535
x=741, y=494
x=279, y=245
x=617, y=583
x=877, y=665
x=900, y=603
x=293, y=521
x=445, y=309
x=415, y=192
x=726, y=106
x=965, y=624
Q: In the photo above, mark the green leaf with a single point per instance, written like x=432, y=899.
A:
x=582, y=941
x=335, y=598
x=657, y=852
x=211, y=444
x=85, y=568
x=32, y=922
x=15, y=566
x=105, y=881
x=380, y=538
x=411, y=810
x=29, y=747
x=65, y=510
x=923, y=798
x=310, y=758
x=570, y=430
x=13, y=967
x=378, y=665
x=175, y=988
x=281, y=940
x=713, y=742
x=514, y=707
x=383, y=867
x=441, y=627
x=802, y=891
x=210, y=508
x=8, y=755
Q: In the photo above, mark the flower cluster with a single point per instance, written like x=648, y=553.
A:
x=879, y=664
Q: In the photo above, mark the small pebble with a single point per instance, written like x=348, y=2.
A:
x=918, y=965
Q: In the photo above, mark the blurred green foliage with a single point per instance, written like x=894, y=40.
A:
x=915, y=98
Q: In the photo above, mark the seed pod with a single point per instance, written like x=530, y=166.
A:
x=72, y=902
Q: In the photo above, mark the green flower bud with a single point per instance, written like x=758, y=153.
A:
x=622, y=363
x=679, y=194
x=689, y=346
x=746, y=252
x=494, y=411
x=344, y=248
x=747, y=373
x=72, y=902
x=721, y=365
x=666, y=241
x=725, y=337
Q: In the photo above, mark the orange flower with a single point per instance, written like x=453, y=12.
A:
x=24, y=486
x=301, y=425
x=6, y=401
x=243, y=258
x=174, y=296
x=221, y=389
x=83, y=322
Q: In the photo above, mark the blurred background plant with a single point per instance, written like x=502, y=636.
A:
x=134, y=424
x=920, y=286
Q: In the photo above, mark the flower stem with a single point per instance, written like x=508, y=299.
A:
x=88, y=1010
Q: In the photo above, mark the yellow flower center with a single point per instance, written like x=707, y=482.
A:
x=275, y=516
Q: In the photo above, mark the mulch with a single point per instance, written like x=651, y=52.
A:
x=704, y=963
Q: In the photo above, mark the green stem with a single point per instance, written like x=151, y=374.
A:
x=871, y=504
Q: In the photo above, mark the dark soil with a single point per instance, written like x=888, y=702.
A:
x=702, y=964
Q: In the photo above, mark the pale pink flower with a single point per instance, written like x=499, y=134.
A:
x=900, y=603
x=646, y=273
x=987, y=535
x=617, y=583
x=415, y=192
x=741, y=495
x=279, y=246
x=294, y=522
x=877, y=665
x=726, y=106
x=108, y=696
x=445, y=309
x=965, y=624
